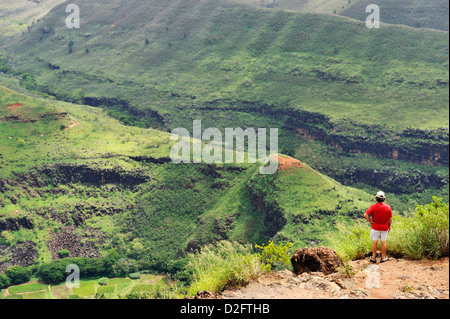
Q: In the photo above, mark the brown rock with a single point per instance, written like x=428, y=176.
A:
x=320, y=259
x=207, y=295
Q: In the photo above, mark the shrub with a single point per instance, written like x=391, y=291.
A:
x=274, y=256
x=135, y=275
x=4, y=281
x=424, y=235
x=63, y=253
x=352, y=241
x=103, y=281
x=123, y=267
x=18, y=275
x=53, y=272
x=223, y=265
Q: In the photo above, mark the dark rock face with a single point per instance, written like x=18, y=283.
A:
x=68, y=239
x=14, y=224
x=22, y=254
x=320, y=259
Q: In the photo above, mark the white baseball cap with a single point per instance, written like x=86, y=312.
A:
x=381, y=195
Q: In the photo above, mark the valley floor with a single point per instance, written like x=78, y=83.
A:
x=398, y=279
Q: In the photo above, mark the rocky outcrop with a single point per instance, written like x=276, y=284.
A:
x=429, y=147
x=14, y=224
x=207, y=295
x=397, y=182
x=320, y=259
x=68, y=239
x=57, y=174
x=22, y=254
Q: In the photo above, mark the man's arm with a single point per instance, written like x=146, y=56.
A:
x=390, y=218
x=366, y=216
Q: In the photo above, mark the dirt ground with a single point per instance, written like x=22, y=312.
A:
x=395, y=279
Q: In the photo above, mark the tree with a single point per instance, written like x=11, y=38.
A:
x=63, y=253
x=70, y=45
x=53, y=273
x=4, y=281
x=18, y=275
x=124, y=266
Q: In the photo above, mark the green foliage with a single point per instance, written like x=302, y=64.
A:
x=63, y=253
x=351, y=241
x=414, y=13
x=424, y=235
x=34, y=287
x=4, y=281
x=274, y=256
x=54, y=272
x=225, y=264
x=123, y=267
x=18, y=275
x=346, y=270
x=135, y=275
x=103, y=281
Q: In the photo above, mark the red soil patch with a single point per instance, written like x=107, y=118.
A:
x=6, y=90
x=71, y=125
x=285, y=163
x=14, y=106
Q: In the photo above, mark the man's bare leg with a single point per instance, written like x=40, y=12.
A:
x=374, y=248
x=383, y=249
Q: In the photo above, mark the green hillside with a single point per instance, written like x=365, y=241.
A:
x=103, y=184
x=373, y=100
x=86, y=116
x=17, y=15
x=242, y=53
x=316, y=6
x=431, y=14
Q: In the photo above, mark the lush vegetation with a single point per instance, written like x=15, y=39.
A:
x=415, y=13
x=425, y=234
x=224, y=264
x=275, y=59
x=85, y=117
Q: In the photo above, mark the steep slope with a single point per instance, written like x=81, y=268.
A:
x=315, y=6
x=431, y=14
x=375, y=102
x=17, y=15
x=74, y=178
x=205, y=43
x=297, y=204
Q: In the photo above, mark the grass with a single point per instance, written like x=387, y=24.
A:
x=88, y=288
x=225, y=264
x=274, y=58
x=422, y=235
x=34, y=287
x=222, y=63
x=418, y=14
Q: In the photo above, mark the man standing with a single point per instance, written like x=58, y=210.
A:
x=381, y=225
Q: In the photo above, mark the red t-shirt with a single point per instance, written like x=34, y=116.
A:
x=380, y=216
